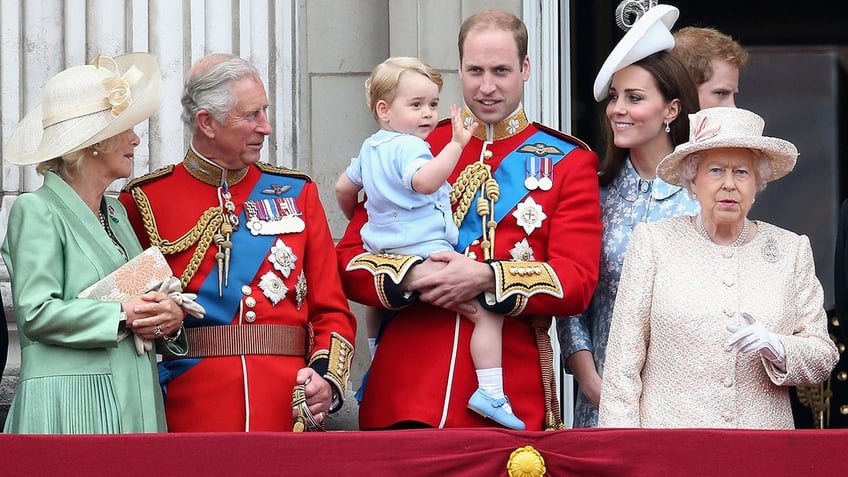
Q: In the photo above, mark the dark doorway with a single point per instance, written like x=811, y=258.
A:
x=797, y=80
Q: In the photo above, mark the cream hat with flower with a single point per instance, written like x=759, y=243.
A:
x=714, y=128
x=84, y=105
x=648, y=34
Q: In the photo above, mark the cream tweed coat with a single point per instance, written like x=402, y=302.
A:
x=667, y=365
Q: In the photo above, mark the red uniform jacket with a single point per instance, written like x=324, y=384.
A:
x=546, y=263
x=286, y=279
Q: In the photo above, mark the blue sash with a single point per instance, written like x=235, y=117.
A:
x=510, y=176
x=248, y=253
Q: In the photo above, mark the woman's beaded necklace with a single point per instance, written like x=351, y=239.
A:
x=746, y=225
x=112, y=235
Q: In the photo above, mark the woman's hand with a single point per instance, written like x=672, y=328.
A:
x=153, y=315
x=582, y=366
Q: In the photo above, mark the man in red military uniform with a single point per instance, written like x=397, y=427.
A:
x=252, y=241
x=526, y=198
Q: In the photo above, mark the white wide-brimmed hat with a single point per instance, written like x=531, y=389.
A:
x=714, y=128
x=84, y=105
x=649, y=34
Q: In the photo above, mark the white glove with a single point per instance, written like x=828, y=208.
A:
x=172, y=287
x=752, y=336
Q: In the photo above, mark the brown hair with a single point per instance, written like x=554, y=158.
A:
x=696, y=47
x=498, y=19
x=384, y=79
x=674, y=82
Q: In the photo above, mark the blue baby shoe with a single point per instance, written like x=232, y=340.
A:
x=492, y=408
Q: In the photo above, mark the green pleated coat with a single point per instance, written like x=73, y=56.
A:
x=76, y=377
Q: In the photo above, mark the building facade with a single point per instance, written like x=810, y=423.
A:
x=314, y=56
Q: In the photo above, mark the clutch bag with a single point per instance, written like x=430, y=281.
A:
x=141, y=274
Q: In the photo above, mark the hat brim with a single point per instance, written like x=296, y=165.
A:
x=27, y=144
x=782, y=154
x=656, y=22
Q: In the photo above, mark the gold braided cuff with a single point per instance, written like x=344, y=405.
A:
x=395, y=266
x=524, y=279
x=339, y=359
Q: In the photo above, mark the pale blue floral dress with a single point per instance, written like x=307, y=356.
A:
x=625, y=202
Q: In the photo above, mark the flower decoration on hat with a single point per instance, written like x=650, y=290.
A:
x=118, y=95
x=701, y=129
x=118, y=92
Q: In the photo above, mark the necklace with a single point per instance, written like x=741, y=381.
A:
x=699, y=225
x=112, y=235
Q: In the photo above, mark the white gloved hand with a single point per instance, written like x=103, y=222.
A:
x=172, y=287
x=752, y=336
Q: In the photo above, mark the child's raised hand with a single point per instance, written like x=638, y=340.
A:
x=461, y=134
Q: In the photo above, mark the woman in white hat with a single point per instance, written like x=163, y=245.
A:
x=716, y=315
x=648, y=94
x=77, y=375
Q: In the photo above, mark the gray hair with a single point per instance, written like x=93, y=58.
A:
x=688, y=169
x=209, y=86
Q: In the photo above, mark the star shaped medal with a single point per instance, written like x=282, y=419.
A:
x=529, y=215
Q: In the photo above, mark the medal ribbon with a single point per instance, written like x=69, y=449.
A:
x=249, y=252
x=510, y=176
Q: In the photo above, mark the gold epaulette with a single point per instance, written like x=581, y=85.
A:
x=161, y=172
x=566, y=137
x=524, y=279
x=281, y=171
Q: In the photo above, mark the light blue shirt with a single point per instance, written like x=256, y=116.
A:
x=401, y=220
x=625, y=202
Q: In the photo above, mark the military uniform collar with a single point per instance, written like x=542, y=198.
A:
x=210, y=173
x=507, y=127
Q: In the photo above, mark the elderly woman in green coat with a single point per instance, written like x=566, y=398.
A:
x=79, y=372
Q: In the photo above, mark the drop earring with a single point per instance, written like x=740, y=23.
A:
x=667, y=129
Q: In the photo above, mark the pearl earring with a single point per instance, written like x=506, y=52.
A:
x=667, y=129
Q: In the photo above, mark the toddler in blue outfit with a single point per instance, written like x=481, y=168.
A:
x=407, y=199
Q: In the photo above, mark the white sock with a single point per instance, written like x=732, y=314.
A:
x=372, y=346
x=491, y=382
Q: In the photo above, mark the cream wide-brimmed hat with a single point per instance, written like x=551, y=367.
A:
x=84, y=105
x=714, y=128
x=649, y=34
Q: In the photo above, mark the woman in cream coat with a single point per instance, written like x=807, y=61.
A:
x=716, y=315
